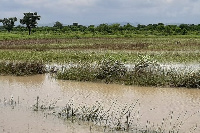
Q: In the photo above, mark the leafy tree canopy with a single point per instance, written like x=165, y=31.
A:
x=58, y=25
x=30, y=20
x=8, y=23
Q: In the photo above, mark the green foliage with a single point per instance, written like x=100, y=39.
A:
x=8, y=23
x=58, y=25
x=106, y=45
x=30, y=20
x=144, y=62
x=184, y=31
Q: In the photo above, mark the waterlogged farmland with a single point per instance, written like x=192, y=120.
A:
x=96, y=107
x=52, y=102
x=162, y=49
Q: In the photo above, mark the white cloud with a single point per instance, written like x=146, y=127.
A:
x=98, y=11
x=69, y=5
x=169, y=1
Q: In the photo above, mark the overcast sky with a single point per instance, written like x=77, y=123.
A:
x=105, y=11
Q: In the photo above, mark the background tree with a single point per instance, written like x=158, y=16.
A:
x=115, y=27
x=184, y=31
x=8, y=23
x=91, y=28
x=104, y=28
x=129, y=27
x=30, y=20
x=58, y=25
x=168, y=30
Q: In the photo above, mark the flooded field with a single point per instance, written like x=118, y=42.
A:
x=166, y=108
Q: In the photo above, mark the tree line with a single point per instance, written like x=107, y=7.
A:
x=30, y=20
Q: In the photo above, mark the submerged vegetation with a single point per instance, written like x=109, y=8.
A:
x=109, y=118
x=21, y=68
x=145, y=72
x=116, y=117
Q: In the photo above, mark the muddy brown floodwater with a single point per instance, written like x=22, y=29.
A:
x=154, y=104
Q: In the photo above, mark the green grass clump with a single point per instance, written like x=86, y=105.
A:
x=21, y=68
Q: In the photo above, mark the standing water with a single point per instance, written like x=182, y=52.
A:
x=166, y=108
